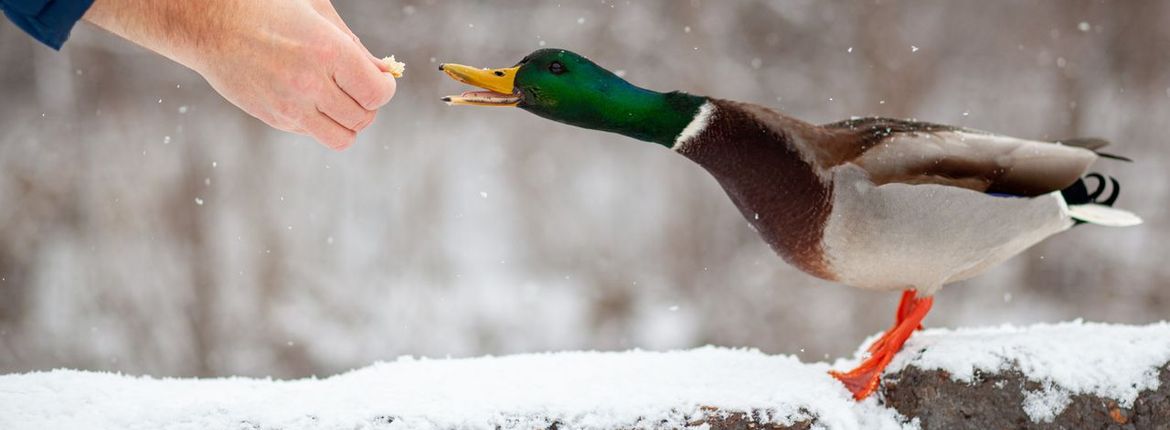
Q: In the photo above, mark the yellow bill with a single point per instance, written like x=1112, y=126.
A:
x=497, y=84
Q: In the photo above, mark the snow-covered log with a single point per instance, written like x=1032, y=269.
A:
x=1070, y=375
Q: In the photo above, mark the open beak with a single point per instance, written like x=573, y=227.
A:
x=498, y=84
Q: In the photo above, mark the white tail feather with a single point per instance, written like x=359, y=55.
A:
x=1103, y=215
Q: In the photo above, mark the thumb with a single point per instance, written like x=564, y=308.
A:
x=326, y=9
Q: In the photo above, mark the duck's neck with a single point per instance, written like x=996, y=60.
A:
x=635, y=112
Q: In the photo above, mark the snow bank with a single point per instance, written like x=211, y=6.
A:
x=587, y=390
x=579, y=389
x=1108, y=361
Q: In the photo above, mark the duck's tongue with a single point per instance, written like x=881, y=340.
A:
x=483, y=98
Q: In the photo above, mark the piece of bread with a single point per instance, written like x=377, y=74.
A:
x=396, y=68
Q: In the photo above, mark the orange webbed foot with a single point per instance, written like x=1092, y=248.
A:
x=860, y=381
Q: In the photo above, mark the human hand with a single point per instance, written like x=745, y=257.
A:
x=293, y=64
x=302, y=70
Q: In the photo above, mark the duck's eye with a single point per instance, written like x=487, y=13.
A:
x=556, y=68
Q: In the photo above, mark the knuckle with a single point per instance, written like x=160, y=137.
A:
x=325, y=140
x=342, y=141
x=354, y=124
x=380, y=93
x=365, y=121
x=349, y=120
x=369, y=98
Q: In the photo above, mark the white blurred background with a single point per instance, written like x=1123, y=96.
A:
x=147, y=226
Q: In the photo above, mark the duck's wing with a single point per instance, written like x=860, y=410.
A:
x=912, y=152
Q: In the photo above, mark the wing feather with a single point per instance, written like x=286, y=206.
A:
x=898, y=151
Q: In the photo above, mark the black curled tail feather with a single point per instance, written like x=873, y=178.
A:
x=1078, y=193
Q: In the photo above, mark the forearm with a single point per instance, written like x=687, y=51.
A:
x=182, y=30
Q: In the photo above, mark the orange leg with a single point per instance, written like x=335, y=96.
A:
x=864, y=380
x=904, y=307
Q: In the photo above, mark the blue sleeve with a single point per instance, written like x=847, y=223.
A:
x=49, y=21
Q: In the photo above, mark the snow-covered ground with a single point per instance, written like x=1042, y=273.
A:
x=635, y=389
x=1109, y=361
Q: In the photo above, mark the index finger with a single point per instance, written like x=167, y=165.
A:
x=363, y=81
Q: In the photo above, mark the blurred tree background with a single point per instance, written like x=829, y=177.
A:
x=147, y=226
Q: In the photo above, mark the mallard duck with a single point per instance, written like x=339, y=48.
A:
x=874, y=203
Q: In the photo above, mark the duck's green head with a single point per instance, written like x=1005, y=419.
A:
x=566, y=87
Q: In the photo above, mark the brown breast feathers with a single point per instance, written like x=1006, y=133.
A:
x=754, y=160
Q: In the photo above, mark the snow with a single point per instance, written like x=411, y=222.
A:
x=593, y=390
x=581, y=390
x=1109, y=361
